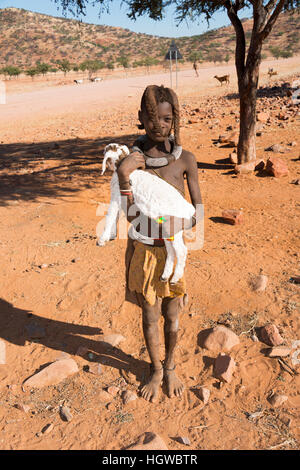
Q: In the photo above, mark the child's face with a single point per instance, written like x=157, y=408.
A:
x=165, y=119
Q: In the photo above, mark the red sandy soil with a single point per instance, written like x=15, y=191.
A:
x=49, y=198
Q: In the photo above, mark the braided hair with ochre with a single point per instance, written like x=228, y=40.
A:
x=153, y=95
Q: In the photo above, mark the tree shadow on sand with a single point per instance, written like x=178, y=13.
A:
x=267, y=91
x=17, y=325
x=53, y=169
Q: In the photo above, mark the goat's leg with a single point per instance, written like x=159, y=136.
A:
x=181, y=253
x=169, y=261
x=110, y=231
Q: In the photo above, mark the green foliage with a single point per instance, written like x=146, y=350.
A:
x=11, y=71
x=195, y=56
x=64, y=65
x=31, y=72
x=124, y=61
x=42, y=68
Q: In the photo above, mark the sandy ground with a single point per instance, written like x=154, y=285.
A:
x=53, y=274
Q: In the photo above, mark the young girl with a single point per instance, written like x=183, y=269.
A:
x=160, y=153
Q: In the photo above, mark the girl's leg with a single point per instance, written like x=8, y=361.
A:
x=170, y=311
x=151, y=316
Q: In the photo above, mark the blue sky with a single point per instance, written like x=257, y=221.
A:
x=117, y=17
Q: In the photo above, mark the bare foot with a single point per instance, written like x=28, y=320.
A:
x=150, y=390
x=174, y=385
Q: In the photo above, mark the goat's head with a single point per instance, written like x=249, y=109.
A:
x=114, y=153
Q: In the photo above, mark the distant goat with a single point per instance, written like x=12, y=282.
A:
x=97, y=79
x=224, y=78
x=155, y=198
x=78, y=81
x=271, y=72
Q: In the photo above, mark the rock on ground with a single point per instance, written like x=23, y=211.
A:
x=221, y=338
x=233, y=216
x=204, y=394
x=52, y=374
x=280, y=351
x=149, y=441
x=224, y=367
x=270, y=335
x=260, y=283
x=276, y=167
x=277, y=400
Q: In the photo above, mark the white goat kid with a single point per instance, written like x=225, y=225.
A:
x=154, y=197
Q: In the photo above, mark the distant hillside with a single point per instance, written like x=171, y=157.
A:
x=28, y=37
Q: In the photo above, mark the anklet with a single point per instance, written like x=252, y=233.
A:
x=165, y=368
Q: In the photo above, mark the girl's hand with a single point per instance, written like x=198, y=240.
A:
x=133, y=162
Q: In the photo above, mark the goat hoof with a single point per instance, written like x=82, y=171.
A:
x=100, y=242
x=163, y=279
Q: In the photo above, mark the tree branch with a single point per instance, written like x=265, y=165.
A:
x=270, y=23
x=240, y=51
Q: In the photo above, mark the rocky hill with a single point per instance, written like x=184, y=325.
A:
x=28, y=38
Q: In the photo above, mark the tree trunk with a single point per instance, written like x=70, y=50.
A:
x=246, y=149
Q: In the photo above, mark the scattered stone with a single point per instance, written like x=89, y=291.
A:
x=282, y=116
x=280, y=351
x=270, y=335
x=254, y=338
x=224, y=367
x=297, y=181
x=104, y=397
x=52, y=374
x=91, y=356
x=113, y=390
x=23, y=407
x=292, y=144
x=113, y=339
x=277, y=400
x=233, y=157
x=66, y=413
x=128, y=396
x=204, y=394
x=95, y=369
x=183, y=440
x=48, y=428
x=245, y=168
x=276, y=167
x=263, y=117
x=276, y=148
x=221, y=338
x=34, y=330
x=232, y=216
x=149, y=441
x=260, y=283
